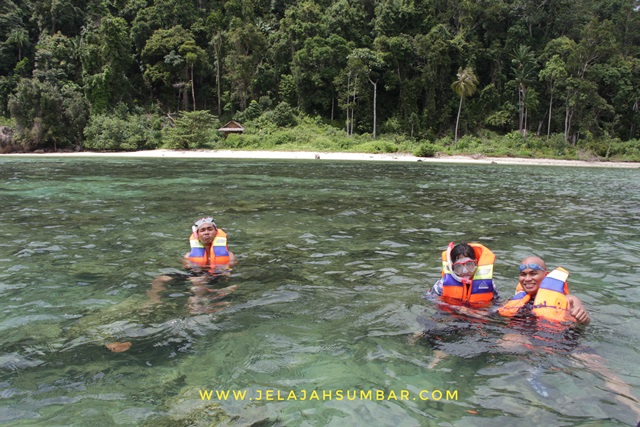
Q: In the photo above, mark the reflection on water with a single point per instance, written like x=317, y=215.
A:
x=333, y=259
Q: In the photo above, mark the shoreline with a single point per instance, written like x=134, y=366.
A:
x=311, y=155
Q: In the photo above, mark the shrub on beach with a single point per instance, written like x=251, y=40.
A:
x=127, y=132
x=425, y=149
x=624, y=150
x=192, y=129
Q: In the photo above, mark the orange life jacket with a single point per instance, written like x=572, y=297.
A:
x=550, y=302
x=217, y=255
x=479, y=290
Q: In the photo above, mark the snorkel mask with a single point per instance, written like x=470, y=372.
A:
x=450, y=265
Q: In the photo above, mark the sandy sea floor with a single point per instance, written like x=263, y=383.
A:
x=233, y=154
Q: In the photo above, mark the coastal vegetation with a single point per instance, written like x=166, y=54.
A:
x=523, y=78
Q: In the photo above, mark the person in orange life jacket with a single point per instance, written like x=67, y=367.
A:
x=533, y=271
x=209, y=258
x=208, y=246
x=462, y=283
x=466, y=284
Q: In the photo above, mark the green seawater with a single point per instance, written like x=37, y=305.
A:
x=333, y=259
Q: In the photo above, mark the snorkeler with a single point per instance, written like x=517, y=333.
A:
x=466, y=287
x=541, y=294
x=544, y=294
x=467, y=276
x=207, y=261
x=208, y=246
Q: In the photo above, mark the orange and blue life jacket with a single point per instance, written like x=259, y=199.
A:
x=479, y=290
x=217, y=255
x=550, y=302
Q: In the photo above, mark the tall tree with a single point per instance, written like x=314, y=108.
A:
x=193, y=54
x=165, y=66
x=216, y=24
x=433, y=65
x=346, y=84
x=523, y=62
x=367, y=64
x=464, y=86
x=554, y=72
x=106, y=61
x=246, y=52
x=400, y=76
x=314, y=68
x=19, y=37
x=596, y=45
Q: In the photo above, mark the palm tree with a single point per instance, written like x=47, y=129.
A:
x=20, y=38
x=523, y=61
x=464, y=86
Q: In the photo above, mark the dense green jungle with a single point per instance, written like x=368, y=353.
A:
x=528, y=78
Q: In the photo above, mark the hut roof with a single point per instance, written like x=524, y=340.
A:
x=232, y=126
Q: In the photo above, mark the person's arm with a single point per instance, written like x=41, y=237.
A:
x=577, y=310
x=158, y=285
x=434, y=292
x=232, y=259
x=496, y=293
x=185, y=260
x=437, y=288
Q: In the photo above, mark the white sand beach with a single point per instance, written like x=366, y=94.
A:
x=233, y=154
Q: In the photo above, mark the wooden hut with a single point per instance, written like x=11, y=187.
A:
x=231, y=127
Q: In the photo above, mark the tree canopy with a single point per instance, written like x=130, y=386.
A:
x=570, y=68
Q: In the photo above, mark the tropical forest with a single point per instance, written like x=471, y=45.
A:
x=531, y=78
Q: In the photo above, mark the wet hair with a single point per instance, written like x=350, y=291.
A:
x=462, y=250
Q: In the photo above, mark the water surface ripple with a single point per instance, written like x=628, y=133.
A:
x=333, y=259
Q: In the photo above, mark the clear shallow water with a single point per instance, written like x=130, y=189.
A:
x=333, y=259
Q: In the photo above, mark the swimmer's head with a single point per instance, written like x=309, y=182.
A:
x=532, y=271
x=462, y=261
x=204, y=221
